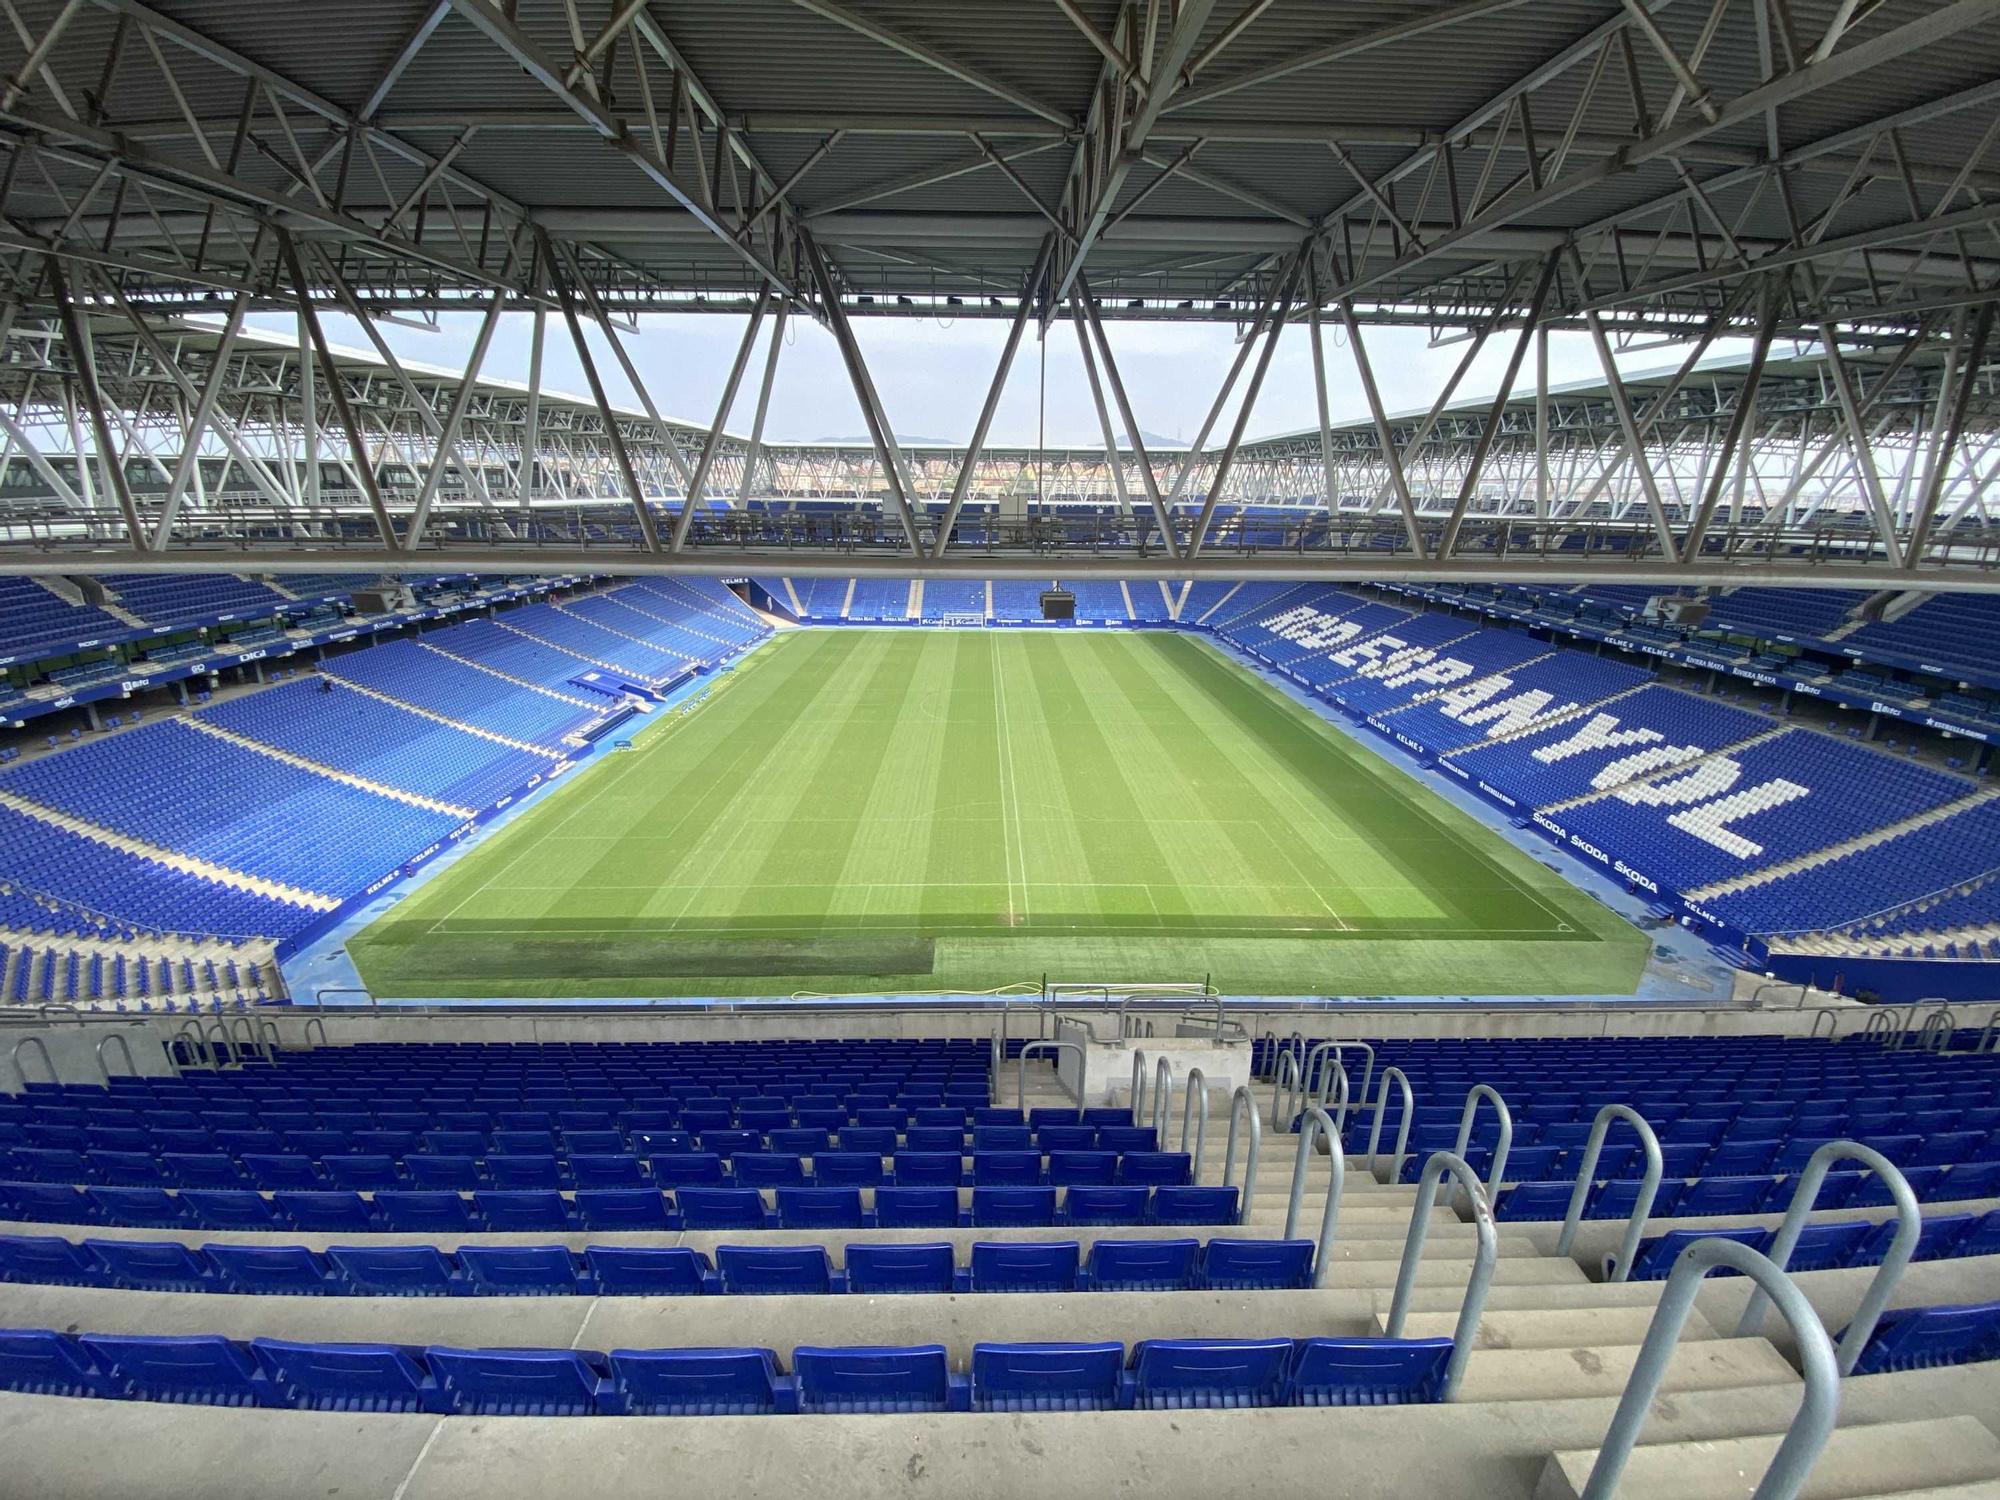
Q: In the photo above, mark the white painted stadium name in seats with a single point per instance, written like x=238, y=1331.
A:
x=1709, y=804
x=1479, y=703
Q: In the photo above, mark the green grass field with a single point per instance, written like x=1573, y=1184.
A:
x=859, y=811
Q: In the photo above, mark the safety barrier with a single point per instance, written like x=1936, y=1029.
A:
x=1163, y=1098
x=1138, y=1086
x=21, y=1073
x=1317, y=1122
x=1827, y=1014
x=1506, y=1143
x=1809, y=1428
x=1195, y=1092
x=1909, y=1225
x=131, y=1067
x=1321, y=1080
x=1021, y=1071
x=1403, y=1131
x=1242, y=1103
x=1649, y=1187
x=193, y=1038
x=1881, y=1025
x=1465, y=1332
x=311, y=1021
x=1288, y=1091
x=1935, y=1034
x=1989, y=1034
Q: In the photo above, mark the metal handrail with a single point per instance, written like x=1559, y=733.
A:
x=21, y=1073
x=1138, y=1087
x=197, y=1043
x=1403, y=1131
x=1163, y=1101
x=1649, y=1187
x=1320, y=1092
x=1935, y=1033
x=1909, y=1225
x=1471, y=1112
x=131, y=1066
x=217, y=1028
x=1989, y=1034
x=1194, y=1088
x=1240, y=1103
x=1289, y=1087
x=1832, y=1018
x=319, y=996
x=1021, y=1071
x=273, y=1039
x=1810, y=1428
x=307, y=1030
x=247, y=1028
x=1268, y=1035
x=1466, y=1331
x=1880, y=1024
x=1367, y=1074
x=1317, y=1122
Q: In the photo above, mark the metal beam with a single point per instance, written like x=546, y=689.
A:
x=1083, y=309
x=454, y=418
x=713, y=445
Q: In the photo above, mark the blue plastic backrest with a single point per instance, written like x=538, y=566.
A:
x=1924, y=1338
x=1084, y=1167
x=517, y=1382
x=1656, y=1257
x=1163, y=1168
x=150, y=1264
x=347, y=1377
x=622, y=1208
x=698, y=1382
x=49, y=1261
x=1983, y=1238
x=1019, y=1207
x=1046, y=1377
x=646, y=1270
x=1029, y=1266
x=1533, y=1202
x=1104, y=1205
x=290, y=1270
x=881, y=1139
x=1194, y=1205
x=608, y=1170
x=767, y=1168
x=423, y=1211
x=1828, y=1245
x=513, y=1171
x=721, y=1208
x=877, y=1269
x=230, y=1208
x=916, y=1207
x=395, y=1270
x=687, y=1169
x=1142, y=1265
x=197, y=1370
x=329, y=1212
x=773, y=1270
x=847, y=1168
x=1127, y=1138
x=1257, y=1265
x=451, y=1172
x=1001, y=1138
x=519, y=1270
x=1180, y=1374
x=1007, y=1167
x=819, y=1207
x=41, y=1362
x=928, y=1169
x=139, y=1207
x=1728, y=1195
x=1367, y=1372
x=1939, y=1236
x=914, y=1379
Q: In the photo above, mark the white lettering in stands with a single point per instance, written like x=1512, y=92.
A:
x=1599, y=732
x=1709, y=821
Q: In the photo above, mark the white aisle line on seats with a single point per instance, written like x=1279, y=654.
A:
x=520, y=682
x=436, y=717
x=1854, y=845
x=317, y=768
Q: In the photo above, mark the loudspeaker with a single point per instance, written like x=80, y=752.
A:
x=1058, y=604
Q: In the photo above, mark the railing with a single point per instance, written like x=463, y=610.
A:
x=1828, y=1014
x=1138, y=1087
x=242, y=1025
x=1195, y=1091
x=1320, y=1080
x=319, y=996
x=1642, y=1207
x=1814, y=1421
x=1288, y=1091
x=1021, y=1071
x=1402, y=1132
x=195, y=1040
x=272, y=1037
x=21, y=1073
x=1466, y=1332
x=1989, y=1034
x=1935, y=1034
x=1880, y=1025
x=1909, y=1225
x=1242, y=1103
x=226, y=1055
x=1163, y=1100
x=1506, y=1142
x=307, y=1030
x=131, y=1067
x=1317, y=1123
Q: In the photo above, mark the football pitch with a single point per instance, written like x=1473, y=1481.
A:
x=859, y=811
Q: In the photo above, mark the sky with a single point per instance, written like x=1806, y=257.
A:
x=932, y=377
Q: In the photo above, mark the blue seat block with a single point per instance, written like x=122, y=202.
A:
x=396, y=1271
x=820, y=1208
x=326, y=1213
x=700, y=1382
x=519, y=1209
x=1367, y=1372
x=519, y=1270
x=648, y=1271
x=521, y=1383
x=1194, y=1205
x=363, y=1173
x=46, y=1260
x=914, y=1379
x=272, y=1270
x=1209, y=1374
x=1715, y=1197
x=1015, y=1207
x=457, y=1174
x=41, y=1362
x=425, y=1212
x=848, y=1169
x=524, y=1173
x=1084, y=1168
x=138, y=1207
x=1141, y=1265
x=774, y=1270
x=1926, y=1338
x=1983, y=1238
x=1003, y=1168
x=1937, y=1240
x=197, y=1370
x=916, y=1207
x=1047, y=1377
x=1155, y=1168
x=152, y=1265
x=886, y=1269
x=201, y=1169
x=606, y=1171
x=231, y=1208
x=1028, y=1266
x=1257, y=1265
x=1617, y=1200
x=678, y=1169
x=53, y=1203
x=1979, y=1179
x=622, y=1209
x=929, y=1169
x=1656, y=1257
x=1127, y=1138
x=722, y=1208
x=767, y=1169
x=347, y=1377
x=1104, y=1205
x=1534, y=1203
x=1826, y=1246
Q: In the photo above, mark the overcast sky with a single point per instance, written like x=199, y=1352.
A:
x=932, y=377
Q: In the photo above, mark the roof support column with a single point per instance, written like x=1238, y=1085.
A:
x=76, y=338
x=1319, y=386
x=699, y=482
x=525, y=474
x=1398, y=481
x=1084, y=310
x=1866, y=474
x=204, y=412
x=880, y=433
x=447, y=437
x=1114, y=459
x=1739, y=426
x=1961, y=404
x=763, y=405
x=1273, y=328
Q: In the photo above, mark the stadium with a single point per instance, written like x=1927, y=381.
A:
x=581, y=908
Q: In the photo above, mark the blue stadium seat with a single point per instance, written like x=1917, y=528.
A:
x=647, y=1271
x=425, y=1212
x=880, y=1139
x=325, y=1212
x=201, y=1169
x=363, y=1173
x=49, y=1261
x=1533, y=1202
x=1257, y=1265
x=1825, y=1246
x=41, y=1362
x=1127, y=1137
x=1104, y=1205
x=916, y=1379
x=272, y=1270
x=456, y=1174
x=882, y=1269
x=522, y=1209
x=197, y=1370
x=1014, y=1207
x=1982, y=1238
x=272, y=1171
x=767, y=1169
x=524, y=1173
x=1209, y=1374
x=929, y=1169
x=679, y=1169
x=53, y=1203
x=774, y=1270
x=520, y=1383
x=1969, y=1180
x=1141, y=1265
x=1925, y=1338
x=916, y=1207
x=1194, y=1205
x=347, y=1377
x=1656, y=1257
x=519, y=1270
x=1083, y=1168
x=1001, y=1138
x=152, y=1265
x=820, y=1208
x=1713, y=1197
x=1154, y=1168
x=721, y=1208
x=1029, y=1266
x=137, y=1207
x=1367, y=1372
x=618, y=1171
x=396, y=1271
x=216, y=1208
x=847, y=1169
x=699, y=1382
x=935, y=1138
x=622, y=1209
x=1046, y=1377
x=1004, y=1168
x=1937, y=1240
x=1617, y=1200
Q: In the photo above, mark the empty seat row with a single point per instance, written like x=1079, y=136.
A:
x=1184, y=1264
x=1160, y=1375
x=1827, y=1246
x=1531, y=1202
x=508, y=1209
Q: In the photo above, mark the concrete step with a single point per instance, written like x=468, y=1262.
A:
x=1603, y=1369
x=1891, y=1458
x=1550, y=1327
